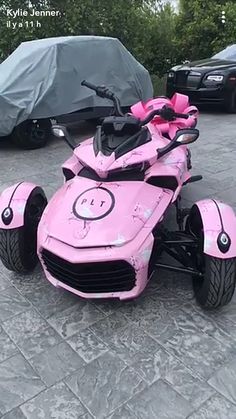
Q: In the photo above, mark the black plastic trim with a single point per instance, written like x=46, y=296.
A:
x=167, y=182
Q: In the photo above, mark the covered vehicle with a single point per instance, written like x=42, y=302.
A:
x=41, y=80
x=212, y=80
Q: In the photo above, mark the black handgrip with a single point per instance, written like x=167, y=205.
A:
x=89, y=85
x=149, y=117
x=166, y=113
x=101, y=91
x=182, y=115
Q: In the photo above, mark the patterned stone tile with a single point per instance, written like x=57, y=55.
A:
x=217, y=407
x=228, y=313
x=31, y=333
x=49, y=300
x=87, y=345
x=194, y=390
x=153, y=310
x=14, y=414
x=152, y=367
x=122, y=413
x=11, y=303
x=56, y=363
x=127, y=342
x=7, y=347
x=105, y=384
x=212, y=324
x=18, y=383
x=198, y=351
x=166, y=298
x=159, y=401
x=23, y=325
x=143, y=311
x=164, y=324
x=105, y=329
x=224, y=380
x=39, y=342
x=179, y=285
x=73, y=319
x=198, y=191
x=108, y=307
x=4, y=271
x=56, y=402
x=4, y=283
x=155, y=284
x=27, y=283
x=86, y=416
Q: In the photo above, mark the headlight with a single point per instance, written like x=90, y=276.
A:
x=215, y=77
x=171, y=74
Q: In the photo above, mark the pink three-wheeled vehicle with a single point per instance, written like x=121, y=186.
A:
x=102, y=233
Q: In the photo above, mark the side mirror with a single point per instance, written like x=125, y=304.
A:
x=182, y=137
x=186, y=136
x=61, y=131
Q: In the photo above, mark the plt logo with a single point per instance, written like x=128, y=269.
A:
x=94, y=204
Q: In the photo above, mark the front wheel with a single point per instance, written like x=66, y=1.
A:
x=18, y=246
x=217, y=286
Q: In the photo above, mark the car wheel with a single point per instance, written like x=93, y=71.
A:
x=18, y=246
x=32, y=134
x=217, y=286
x=231, y=103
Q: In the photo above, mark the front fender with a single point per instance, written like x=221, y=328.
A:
x=217, y=218
x=12, y=203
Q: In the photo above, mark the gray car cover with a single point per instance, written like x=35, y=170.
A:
x=41, y=78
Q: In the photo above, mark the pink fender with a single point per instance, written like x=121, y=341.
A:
x=217, y=217
x=15, y=197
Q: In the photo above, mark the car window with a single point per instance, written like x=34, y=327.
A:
x=228, y=53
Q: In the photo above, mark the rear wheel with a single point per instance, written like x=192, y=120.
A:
x=32, y=134
x=18, y=246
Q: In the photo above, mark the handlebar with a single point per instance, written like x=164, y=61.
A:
x=166, y=113
x=104, y=92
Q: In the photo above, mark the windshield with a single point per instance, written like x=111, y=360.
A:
x=228, y=53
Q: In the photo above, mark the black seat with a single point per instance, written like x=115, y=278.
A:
x=120, y=125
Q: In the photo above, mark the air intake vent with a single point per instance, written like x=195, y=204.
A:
x=112, y=276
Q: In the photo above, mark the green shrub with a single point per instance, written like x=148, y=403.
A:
x=159, y=85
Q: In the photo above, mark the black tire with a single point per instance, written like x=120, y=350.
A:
x=216, y=288
x=32, y=134
x=218, y=284
x=231, y=103
x=18, y=246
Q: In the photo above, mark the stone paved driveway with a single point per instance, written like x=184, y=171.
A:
x=159, y=357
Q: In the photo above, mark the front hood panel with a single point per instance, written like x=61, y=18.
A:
x=206, y=65
x=85, y=213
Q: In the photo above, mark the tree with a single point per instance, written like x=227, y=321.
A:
x=135, y=22
x=200, y=31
